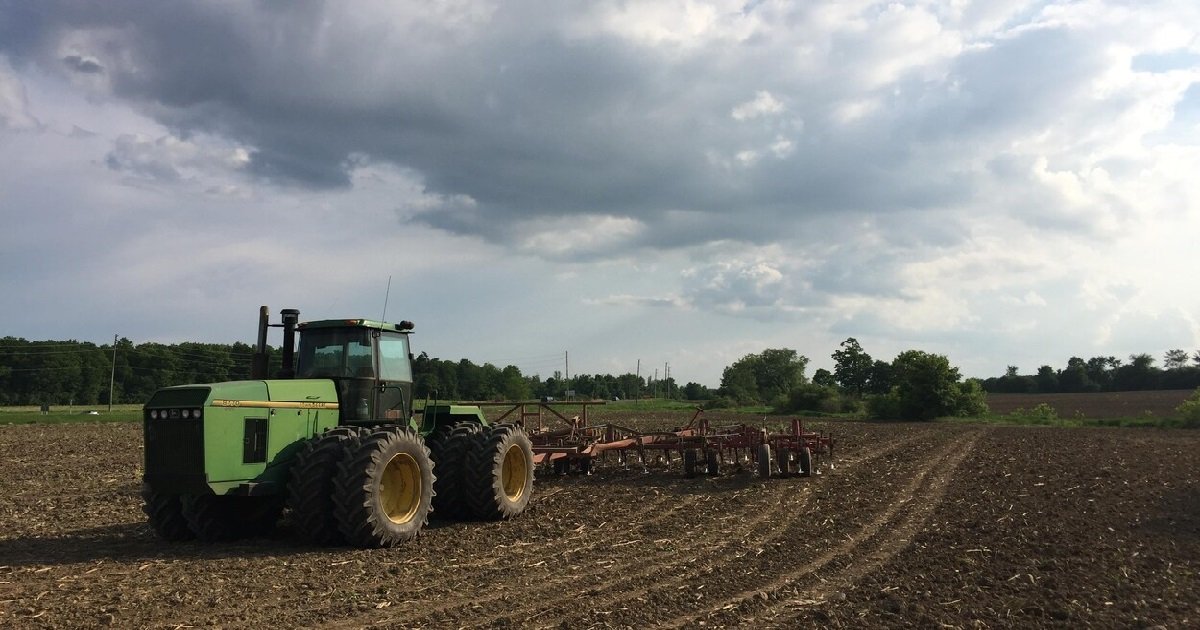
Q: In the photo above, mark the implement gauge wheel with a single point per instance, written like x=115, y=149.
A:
x=691, y=461
x=783, y=458
x=384, y=489
x=712, y=461
x=805, y=462
x=499, y=473
x=764, y=460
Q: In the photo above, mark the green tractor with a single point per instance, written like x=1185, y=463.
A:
x=333, y=438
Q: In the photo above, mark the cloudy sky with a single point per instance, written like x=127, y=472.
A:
x=1002, y=181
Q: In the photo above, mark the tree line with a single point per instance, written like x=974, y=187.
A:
x=1103, y=374
x=74, y=372
x=913, y=385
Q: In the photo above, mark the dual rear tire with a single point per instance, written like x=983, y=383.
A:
x=384, y=485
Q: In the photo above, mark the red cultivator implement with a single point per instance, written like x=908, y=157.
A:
x=565, y=444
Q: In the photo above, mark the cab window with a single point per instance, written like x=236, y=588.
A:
x=393, y=357
x=334, y=352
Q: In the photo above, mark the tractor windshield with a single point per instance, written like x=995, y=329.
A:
x=334, y=353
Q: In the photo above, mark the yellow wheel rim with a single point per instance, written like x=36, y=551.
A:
x=514, y=473
x=400, y=488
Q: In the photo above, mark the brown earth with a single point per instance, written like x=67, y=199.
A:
x=1100, y=405
x=918, y=525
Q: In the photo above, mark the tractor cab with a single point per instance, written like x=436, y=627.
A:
x=369, y=362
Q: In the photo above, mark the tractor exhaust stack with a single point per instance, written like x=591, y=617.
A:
x=290, y=317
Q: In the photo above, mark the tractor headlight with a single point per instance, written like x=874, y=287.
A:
x=196, y=413
x=154, y=414
x=187, y=413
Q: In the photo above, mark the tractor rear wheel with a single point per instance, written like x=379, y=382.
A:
x=310, y=489
x=764, y=460
x=384, y=489
x=499, y=473
x=219, y=518
x=166, y=516
x=449, y=449
x=805, y=462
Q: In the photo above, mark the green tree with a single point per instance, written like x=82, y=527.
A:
x=738, y=382
x=881, y=377
x=1047, y=380
x=1074, y=378
x=824, y=378
x=925, y=386
x=696, y=391
x=764, y=377
x=1139, y=374
x=1175, y=359
x=852, y=367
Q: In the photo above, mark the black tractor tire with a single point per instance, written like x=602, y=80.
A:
x=805, y=462
x=383, y=491
x=783, y=459
x=763, y=460
x=310, y=488
x=449, y=450
x=220, y=518
x=165, y=512
x=712, y=462
x=691, y=461
x=499, y=474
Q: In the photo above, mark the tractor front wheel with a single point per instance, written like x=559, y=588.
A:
x=310, y=488
x=165, y=512
x=219, y=518
x=384, y=489
x=499, y=473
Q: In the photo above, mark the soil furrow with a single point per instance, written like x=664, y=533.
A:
x=875, y=545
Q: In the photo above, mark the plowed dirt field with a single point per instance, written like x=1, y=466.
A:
x=918, y=525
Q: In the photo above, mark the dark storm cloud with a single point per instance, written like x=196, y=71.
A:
x=514, y=110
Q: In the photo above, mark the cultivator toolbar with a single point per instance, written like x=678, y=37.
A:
x=566, y=444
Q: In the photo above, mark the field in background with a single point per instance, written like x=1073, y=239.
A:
x=30, y=414
x=1102, y=405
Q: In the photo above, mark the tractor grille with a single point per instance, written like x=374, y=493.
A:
x=175, y=455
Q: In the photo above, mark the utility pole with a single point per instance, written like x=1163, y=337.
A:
x=667, y=376
x=566, y=373
x=112, y=374
x=637, y=394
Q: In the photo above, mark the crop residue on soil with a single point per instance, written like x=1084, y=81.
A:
x=918, y=525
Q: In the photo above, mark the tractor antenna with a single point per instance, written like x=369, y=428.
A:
x=386, y=295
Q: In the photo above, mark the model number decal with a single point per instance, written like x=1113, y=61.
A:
x=275, y=404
